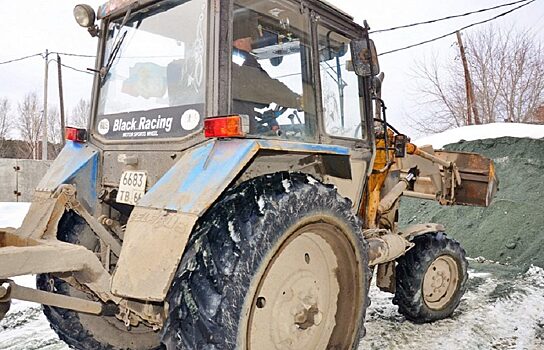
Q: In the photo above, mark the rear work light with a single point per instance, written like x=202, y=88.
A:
x=230, y=126
x=75, y=134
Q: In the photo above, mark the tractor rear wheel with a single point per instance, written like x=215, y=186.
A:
x=83, y=331
x=431, y=278
x=278, y=263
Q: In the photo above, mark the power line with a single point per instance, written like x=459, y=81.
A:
x=22, y=58
x=41, y=54
x=73, y=54
x=73, y=68
x=447, y=17
x=457, y=30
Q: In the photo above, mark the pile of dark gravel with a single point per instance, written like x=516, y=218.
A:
x=511, y=229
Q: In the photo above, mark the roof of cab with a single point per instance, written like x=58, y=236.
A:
x=113, y=6
x=335, y=8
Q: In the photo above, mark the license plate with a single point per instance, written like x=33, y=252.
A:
x=131, y=187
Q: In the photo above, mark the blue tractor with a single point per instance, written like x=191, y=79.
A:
x=236, y=187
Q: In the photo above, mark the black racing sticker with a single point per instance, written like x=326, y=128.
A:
x=168, y=122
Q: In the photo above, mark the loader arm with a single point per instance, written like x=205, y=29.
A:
x=451, y=178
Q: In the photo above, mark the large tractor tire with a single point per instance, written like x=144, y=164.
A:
x=83, y=331
x=279, y=262
x=431, y=278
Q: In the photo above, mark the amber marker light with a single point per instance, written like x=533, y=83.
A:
x=230, y=126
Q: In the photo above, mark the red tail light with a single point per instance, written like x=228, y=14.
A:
x=231, y=126
x=75, y=134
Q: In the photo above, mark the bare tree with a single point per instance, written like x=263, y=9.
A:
x=5, y=123
x=522, y=91
x=54, y=133
x=441, y=97
x=80, y=114
x=507, y=69
x=29, y=123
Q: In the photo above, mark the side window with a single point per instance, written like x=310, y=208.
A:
x=342, y=106
x=271, y=69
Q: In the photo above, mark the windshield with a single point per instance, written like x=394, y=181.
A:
x=155, y=81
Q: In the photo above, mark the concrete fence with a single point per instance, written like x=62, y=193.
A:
x=19, y=178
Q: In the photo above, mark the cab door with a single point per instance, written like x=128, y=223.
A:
x=344, y=107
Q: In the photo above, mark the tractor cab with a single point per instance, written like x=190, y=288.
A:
x=284, y=68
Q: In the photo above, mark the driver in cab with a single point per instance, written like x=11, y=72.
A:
x=252, y=86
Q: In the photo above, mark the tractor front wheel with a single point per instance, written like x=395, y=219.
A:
x=431, y=278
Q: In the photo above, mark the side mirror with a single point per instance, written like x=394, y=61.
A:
x=365, y=57
x=400, y=145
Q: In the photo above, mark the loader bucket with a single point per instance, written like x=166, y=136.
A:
x=479, y=182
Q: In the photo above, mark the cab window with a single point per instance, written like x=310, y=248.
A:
x=342, y=106
x=271, y=76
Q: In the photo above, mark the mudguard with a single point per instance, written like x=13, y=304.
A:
x=76, y=164
x=161, y=224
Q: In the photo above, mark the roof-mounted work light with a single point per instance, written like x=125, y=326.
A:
x=85, y=17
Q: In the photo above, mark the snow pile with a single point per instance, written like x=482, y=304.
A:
x=486, y=131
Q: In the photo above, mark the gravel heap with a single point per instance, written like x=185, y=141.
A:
x=511, y=229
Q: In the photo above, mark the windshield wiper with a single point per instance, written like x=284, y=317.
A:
x=112, y=57
x=116, y=47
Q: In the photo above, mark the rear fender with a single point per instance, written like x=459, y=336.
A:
x=159, y=227
x=77, y=164
x=416, y=230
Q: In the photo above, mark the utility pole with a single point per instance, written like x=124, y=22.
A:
x=471, y=100
x=61, y=102
x=44, y=124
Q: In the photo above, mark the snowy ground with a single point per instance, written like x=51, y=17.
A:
x=25, y=326
x=499, y=311
x=503, y=309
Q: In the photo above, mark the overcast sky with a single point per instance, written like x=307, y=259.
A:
x=31, y=26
